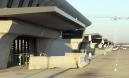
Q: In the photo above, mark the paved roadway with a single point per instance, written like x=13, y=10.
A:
x=115, y=65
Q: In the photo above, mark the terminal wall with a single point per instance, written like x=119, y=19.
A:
x=10, y=30
x=59, y=47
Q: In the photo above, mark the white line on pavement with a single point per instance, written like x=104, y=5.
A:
x=115, y=69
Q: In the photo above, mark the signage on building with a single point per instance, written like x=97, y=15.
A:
x=72, y=34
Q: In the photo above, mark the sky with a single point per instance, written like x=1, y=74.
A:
x=114, y=30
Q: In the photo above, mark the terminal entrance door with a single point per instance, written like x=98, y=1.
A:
x=22, y=48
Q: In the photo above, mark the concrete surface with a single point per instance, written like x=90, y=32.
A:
x=80, y=58
x=42, y=62
x=114, y=65
x=70, y=60
x=100, y=51
x=5, y=44
x=23, y=73
x=11, y=29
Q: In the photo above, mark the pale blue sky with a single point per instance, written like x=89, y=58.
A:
x=117, y=31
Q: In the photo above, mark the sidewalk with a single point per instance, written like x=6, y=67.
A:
x=24, y=73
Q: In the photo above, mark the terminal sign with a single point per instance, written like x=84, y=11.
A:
x=72, y=34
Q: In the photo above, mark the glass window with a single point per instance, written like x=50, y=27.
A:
x=30, y=3
x=21, y=3
x=9, y=4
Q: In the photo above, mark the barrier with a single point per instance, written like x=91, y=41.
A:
x=103, y=51
x=80, y=58
x=37, y=62
x=100, y=52
x=62, y=62
x=83, y=61
x=42, y=62
x=70, y=60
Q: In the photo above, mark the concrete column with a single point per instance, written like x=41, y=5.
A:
x=15, y=3
x=3, y=3
x=43, y=45
x=92, y=45
x=6, y=41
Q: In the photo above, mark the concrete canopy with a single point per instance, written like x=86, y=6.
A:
x=50, y=17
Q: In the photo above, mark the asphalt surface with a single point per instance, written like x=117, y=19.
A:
x=114, y=65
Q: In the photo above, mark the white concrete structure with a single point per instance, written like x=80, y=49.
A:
x=27, y=29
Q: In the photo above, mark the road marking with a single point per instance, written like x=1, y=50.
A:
x=115, y=69
x=117, y=61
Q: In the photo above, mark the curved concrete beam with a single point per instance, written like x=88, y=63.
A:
x=22, y=28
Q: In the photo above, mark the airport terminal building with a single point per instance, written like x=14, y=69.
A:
x=30, y=27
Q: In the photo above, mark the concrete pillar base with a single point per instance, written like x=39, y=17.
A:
x=5, y=45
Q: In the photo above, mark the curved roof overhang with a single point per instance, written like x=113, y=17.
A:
x=50, y=17
x=67, y=7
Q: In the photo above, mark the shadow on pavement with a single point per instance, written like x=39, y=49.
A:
x=52, y=76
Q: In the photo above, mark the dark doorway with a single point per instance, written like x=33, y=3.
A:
x=22, y=48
